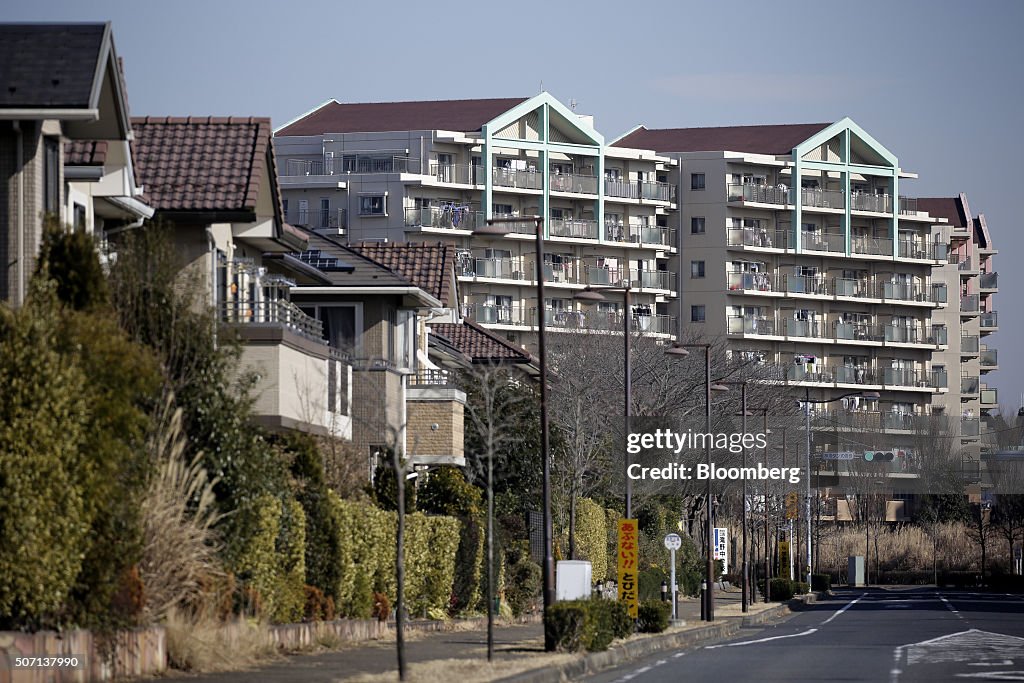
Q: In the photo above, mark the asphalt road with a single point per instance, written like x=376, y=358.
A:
x=883, y=635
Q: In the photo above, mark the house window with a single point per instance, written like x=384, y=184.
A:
x=373, y=205
x=696, y=181
x=342, y=325
x=697, y=225
x=696, y=269
x=697, y=314
x=79, y=218
x=51, y=175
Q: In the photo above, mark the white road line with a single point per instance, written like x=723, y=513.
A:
x=678, y=655
x=950, y=606
x=844, y=608
x=762, y=640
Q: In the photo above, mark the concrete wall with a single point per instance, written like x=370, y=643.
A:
x=440, y=406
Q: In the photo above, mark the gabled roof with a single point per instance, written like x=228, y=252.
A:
x=85, y=153
x=51, y=66
x=950, y=208
x=480, y=344
x=203, y=163
x=372, y=117
x=774, y=139
x=428, y=266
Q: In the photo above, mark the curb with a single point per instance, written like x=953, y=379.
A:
x=634, y=649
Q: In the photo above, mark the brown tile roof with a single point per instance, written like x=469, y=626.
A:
x=202, y=163
x=49, y=65
x=457, y=115
x=950, y=208
x=428, y=266
x=481, y=345
x=85, y=153
x=776, y=140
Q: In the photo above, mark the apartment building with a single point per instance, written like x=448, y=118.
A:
x=405, y=171
x=64, y=142
x=971, y=311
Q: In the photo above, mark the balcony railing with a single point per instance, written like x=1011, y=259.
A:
x=805, y=284
x=430, y=378
x=856, y=331
x=907, y=377
x=855, y=374
x=758, y=237
x=805, y=328
x=616, y=231
x=965, y=264
x=828, y=199
x=573, y=227
x=908, y=205
x=915, y=249
x=940, y=335
x=989, y=281
x=611, y=321
x=989, y=358
x=520, y=179
x=989, y=397
x=655, y=191
x=969, y=344
x=762, y=194
x=506, y=268
x=878, y=203
x=317, y=219
x=969, y=303
x=871, y=246
x=940, y=293
x=940, y=251
x=823, y=241
x=569, y=182
x=279, y=313
x=900, y=334
x=757, y=282
x=905, y=291
x=970, y=426
x=652, y=279
x=853, y=288
x=752, y=325
x=345, y=164
x=459, y=174
x=445, y=218
x=969, y=385
x=989, y=320
x=491, y=314
x=639, y=189
x=872, y=421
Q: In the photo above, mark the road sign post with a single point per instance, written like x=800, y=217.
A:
x=673, y=542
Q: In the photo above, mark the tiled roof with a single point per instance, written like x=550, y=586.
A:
x=428, y=266
x=85, y=153
x=775, y=140
x=480, y=344
x=202, y=163
x=950, y=208
x=457, y=115
x=49, y=66
x=346, y=267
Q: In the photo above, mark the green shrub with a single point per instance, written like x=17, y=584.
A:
x=821, y=582
x=524, y=579
x=291, y=564
x=800, y=587
x=592, y=536
x=781, y=588
x=650, y=583
x=653, y=616
x=446, y=492
x=615, y=615
x=568, y=626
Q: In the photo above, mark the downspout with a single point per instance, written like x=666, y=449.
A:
x=212, y=247
x=19, y=162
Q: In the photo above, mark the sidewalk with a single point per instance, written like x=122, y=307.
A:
x=459, y=656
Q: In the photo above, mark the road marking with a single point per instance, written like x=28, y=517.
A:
x=996, y=675
x=1005, y=662
x=678, y=654
x=952, y=609
x=762, y=640
x=843, y=609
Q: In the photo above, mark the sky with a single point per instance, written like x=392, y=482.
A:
x=938, y=83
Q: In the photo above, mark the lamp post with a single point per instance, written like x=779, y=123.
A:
x=680, y=350
x=495, y=227
x=591, y=295
x=745, y=599
x=807, y=428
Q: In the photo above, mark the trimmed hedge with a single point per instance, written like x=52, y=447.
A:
x=653, y=616
x=592, y=536
x=821, y=582
x=783, y=589
x=587, y=624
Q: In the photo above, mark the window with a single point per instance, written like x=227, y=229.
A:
x=341, y=325
x=696, y=269
x=51, y=175
x=502, y=209
x=697, y=314
x=373, y=205
x=696, y=181
x=80, y=218
x=697, y=225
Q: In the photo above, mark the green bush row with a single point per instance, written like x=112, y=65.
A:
x=782, y=589
x=587, y=624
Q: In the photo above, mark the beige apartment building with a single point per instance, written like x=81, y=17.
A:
x=405, y=171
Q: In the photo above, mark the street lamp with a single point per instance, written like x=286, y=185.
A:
x=588, y=296
x=745, y=600
x=807, y=428
x=495, y=227
x=678, y=350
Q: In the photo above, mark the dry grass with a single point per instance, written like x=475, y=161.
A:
x=204, y=643
x=466, y=670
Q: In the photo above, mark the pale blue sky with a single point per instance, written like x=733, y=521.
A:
x=938, y=83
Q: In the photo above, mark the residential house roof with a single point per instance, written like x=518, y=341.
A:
x=480, y=344
x=950, y=208
x=85, y=152
x=51, y=66
x=428, y=266
x=771, y=139
x=370, y=117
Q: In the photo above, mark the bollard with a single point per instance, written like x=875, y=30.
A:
x=703, y=600
x=664, y=591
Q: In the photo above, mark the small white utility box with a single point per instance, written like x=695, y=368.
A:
x=855, y=570
x=572, y=580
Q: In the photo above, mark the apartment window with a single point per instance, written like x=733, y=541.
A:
x=697, y=314
x=284, y=207
x=696, y=181
x=51, y=175
x=373, y=205
x=696, y=269
x=502, y=209
x=697, y=225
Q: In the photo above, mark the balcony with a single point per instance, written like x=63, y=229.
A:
x=823, y=199
x=969, y=386
x=568, y=182
x=856, y=332
x=871, y=421
x=759, y=194
x=761, y=238
x=752, y=325
x=430, y=378
x=753, y=282
x=833, y=242
x=657, y=192
x=913, y=249
x=805, y=284
x=491, y=314
x=989, y=321
x=908, y=206
x=940, y=252
x=855, y=374
x=876, y=203
x=573, y=227
x=517, y=179
x=989, y=397
x=969, y=345
x=335, y=164
x=567, y=272
x=871, y=246
x=970, y=426
x=603, y=275
x=458, y=174
x=989, y=359
x=499, y=268
x=280, y=313
x=444, y=218
x=901, y=334
x=615, y=231
x=860, y=289
x=940, y=335
x=317, y=219
x=967, y=265
x=989, y=282
x=904, y=291
x=652, y=279
x=811, y=329
x=639, y=189
x=598, y=320
x=907, y=377
x=969, y=304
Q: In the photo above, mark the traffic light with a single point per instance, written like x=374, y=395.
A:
x=879, y=456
